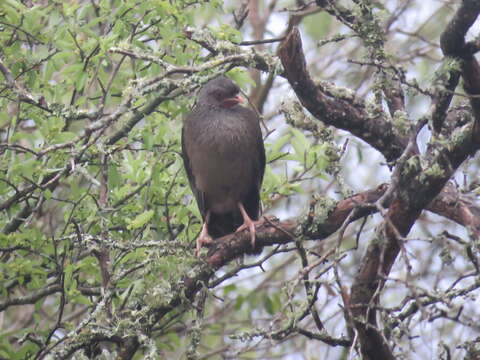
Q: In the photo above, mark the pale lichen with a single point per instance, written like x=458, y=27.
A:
x=320, y=209
x=433, y=171
x=401, y=122
x=339, y=92
x=411, y=167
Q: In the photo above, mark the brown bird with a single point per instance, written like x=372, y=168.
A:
x=224, y=156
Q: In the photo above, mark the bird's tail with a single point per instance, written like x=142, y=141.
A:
x=224, y=224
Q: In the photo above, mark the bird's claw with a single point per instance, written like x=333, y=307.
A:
x=250, y=225
x=203, y=239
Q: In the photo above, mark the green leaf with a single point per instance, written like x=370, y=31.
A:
x=272, y=304
x=279, y=144
x=300, y=143
x=317, y=25
x=64, y=136
x=229, y=288
x=68, y=273
x=239, y=302
x=140, y=220
x=80, y=80
x=48, y=194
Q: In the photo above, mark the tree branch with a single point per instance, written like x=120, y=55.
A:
x=31, y=298
x=453, y=44
x=418, y=181
x=347, y=114
x=315, y=226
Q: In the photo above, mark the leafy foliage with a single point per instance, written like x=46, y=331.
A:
x=95, y=208
x=98, y=223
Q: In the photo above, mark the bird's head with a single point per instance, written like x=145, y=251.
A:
x=220, y=91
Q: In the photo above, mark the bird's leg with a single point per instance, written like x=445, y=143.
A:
x=247, y=224
x=204, y=238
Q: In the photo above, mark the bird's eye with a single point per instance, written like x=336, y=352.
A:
x=217, y=94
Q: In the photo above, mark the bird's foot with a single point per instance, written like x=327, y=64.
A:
x=250, y=225
x=203, y=239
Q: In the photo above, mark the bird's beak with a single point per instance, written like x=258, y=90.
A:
x=232, y=101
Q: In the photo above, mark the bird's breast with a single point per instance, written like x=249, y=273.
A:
x=223, y=163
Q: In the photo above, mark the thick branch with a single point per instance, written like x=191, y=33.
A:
x=449, y=203
x=418, y=180
x=31, y=298
x=452, y=40
x=453, y=45
x=457, y=207
x=316, y=227
x=347, y=114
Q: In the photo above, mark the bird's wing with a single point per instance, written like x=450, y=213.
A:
x=252, y=200
x=261, y=158
x=199, y=195
x=254, y=124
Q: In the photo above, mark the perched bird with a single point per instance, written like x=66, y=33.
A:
x=224, y=157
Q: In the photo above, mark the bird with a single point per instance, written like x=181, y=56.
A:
x=224, y=158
